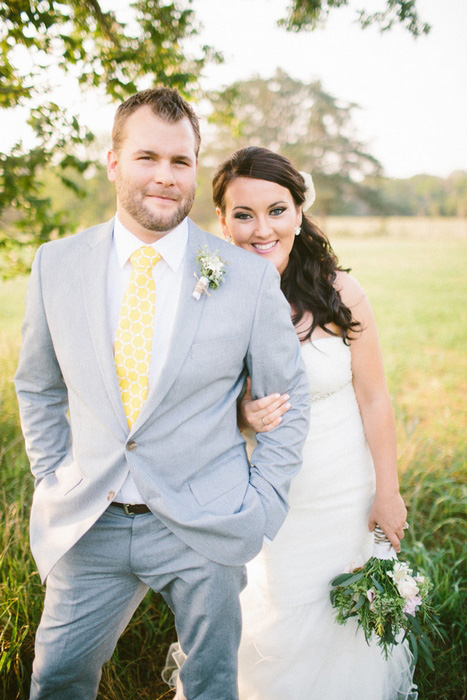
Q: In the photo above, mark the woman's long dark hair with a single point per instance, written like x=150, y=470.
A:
x=308, y=280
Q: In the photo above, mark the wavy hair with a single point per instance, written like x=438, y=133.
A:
x=308, y=280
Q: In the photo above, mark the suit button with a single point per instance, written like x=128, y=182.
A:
x=131, y=446
x=111, y=495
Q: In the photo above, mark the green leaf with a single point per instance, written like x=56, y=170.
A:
x=346, y=578
x=377, y=584
x=413, y=646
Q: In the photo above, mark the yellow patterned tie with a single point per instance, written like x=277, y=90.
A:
x=133, y=341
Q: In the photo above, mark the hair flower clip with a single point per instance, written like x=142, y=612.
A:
x=212, y=272
x=310, y=194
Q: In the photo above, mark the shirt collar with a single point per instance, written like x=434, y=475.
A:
x=171, y=247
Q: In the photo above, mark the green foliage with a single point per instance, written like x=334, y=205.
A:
x=86, y=43
x=424, y=195
x=370, y=594
x=26, y=212
x=309, y=14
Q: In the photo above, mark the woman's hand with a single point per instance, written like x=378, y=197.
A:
x=261, y=415
x=390, y=513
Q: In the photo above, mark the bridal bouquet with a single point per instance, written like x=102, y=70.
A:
x=387, y=598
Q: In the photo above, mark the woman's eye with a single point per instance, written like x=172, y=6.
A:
x=277, y=211
x=243, y=216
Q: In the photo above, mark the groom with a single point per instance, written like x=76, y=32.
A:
x=128, y=388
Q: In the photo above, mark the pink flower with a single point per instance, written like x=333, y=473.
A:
x=412, y=605
x=353, y=566
x=371, y=595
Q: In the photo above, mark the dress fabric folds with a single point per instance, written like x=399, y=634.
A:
x=291, y=645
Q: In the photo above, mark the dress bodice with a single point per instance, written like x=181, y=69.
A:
x=328, y=366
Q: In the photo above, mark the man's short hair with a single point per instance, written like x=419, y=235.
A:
x=165, y=103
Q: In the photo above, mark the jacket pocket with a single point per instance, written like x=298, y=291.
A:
x=221, y=481
x=68, y=477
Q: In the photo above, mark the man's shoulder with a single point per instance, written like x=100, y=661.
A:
x=76, y=242
x=231, y=254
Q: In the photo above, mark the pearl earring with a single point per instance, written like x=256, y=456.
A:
x=297, y=230
x=228, y=239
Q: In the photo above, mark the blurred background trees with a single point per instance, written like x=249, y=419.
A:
x=40, y=39
x=59, y=183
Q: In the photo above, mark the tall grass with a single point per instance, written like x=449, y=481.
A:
x=416, y=288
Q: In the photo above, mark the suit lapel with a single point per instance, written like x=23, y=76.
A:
x=186, y=325
x=94, y=291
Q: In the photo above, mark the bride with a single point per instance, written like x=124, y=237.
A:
x=292, y=648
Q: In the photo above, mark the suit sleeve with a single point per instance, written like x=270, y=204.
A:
x=42, y=394
x=275, y=365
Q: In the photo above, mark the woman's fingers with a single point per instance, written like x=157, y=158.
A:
x=266, y=413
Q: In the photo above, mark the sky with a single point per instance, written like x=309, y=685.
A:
x=412, y=93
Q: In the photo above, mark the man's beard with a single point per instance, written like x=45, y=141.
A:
x=133, y=203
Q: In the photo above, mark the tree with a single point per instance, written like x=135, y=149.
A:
x=424, y=195
x=101, y=52
x=84, y=42
x=309, y=14
x=301, y=121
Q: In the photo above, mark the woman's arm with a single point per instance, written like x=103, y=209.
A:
x=388, y=509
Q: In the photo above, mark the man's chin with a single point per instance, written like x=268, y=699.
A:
x=161, y=224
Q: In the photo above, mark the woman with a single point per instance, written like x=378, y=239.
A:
x=292, y=648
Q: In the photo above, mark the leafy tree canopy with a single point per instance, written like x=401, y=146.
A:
x=309, y=14
x=83, y=41
x=78, y=38
x=301, y=121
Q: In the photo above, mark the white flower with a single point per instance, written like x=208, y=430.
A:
x=407, y=587
x=211, y=267
x=214, y=264
x=310, y=194
x=399, y=572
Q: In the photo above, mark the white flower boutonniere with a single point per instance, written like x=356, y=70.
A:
x=212, y=272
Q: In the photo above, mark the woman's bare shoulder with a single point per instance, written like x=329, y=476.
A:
x=350, y=290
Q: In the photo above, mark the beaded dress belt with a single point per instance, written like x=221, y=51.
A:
x=132, y=508
x=327, y=394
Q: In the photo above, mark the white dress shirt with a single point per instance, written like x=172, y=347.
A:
x=168, y=275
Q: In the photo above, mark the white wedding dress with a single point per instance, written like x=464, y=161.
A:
x=292, y=648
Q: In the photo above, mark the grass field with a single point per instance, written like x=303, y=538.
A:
x=418, y=289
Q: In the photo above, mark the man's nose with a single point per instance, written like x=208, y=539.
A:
x=163, y=174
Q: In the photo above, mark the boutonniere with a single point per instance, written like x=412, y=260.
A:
x=212, y=272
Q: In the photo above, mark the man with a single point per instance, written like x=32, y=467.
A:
x=128, y=387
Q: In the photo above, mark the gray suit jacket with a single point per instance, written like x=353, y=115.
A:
x=185, y=451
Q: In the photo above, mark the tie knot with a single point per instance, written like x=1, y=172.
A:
x=145, y=257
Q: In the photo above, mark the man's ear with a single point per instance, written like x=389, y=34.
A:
x=112, y=162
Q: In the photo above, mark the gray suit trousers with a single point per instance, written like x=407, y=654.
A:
x=94, y=589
